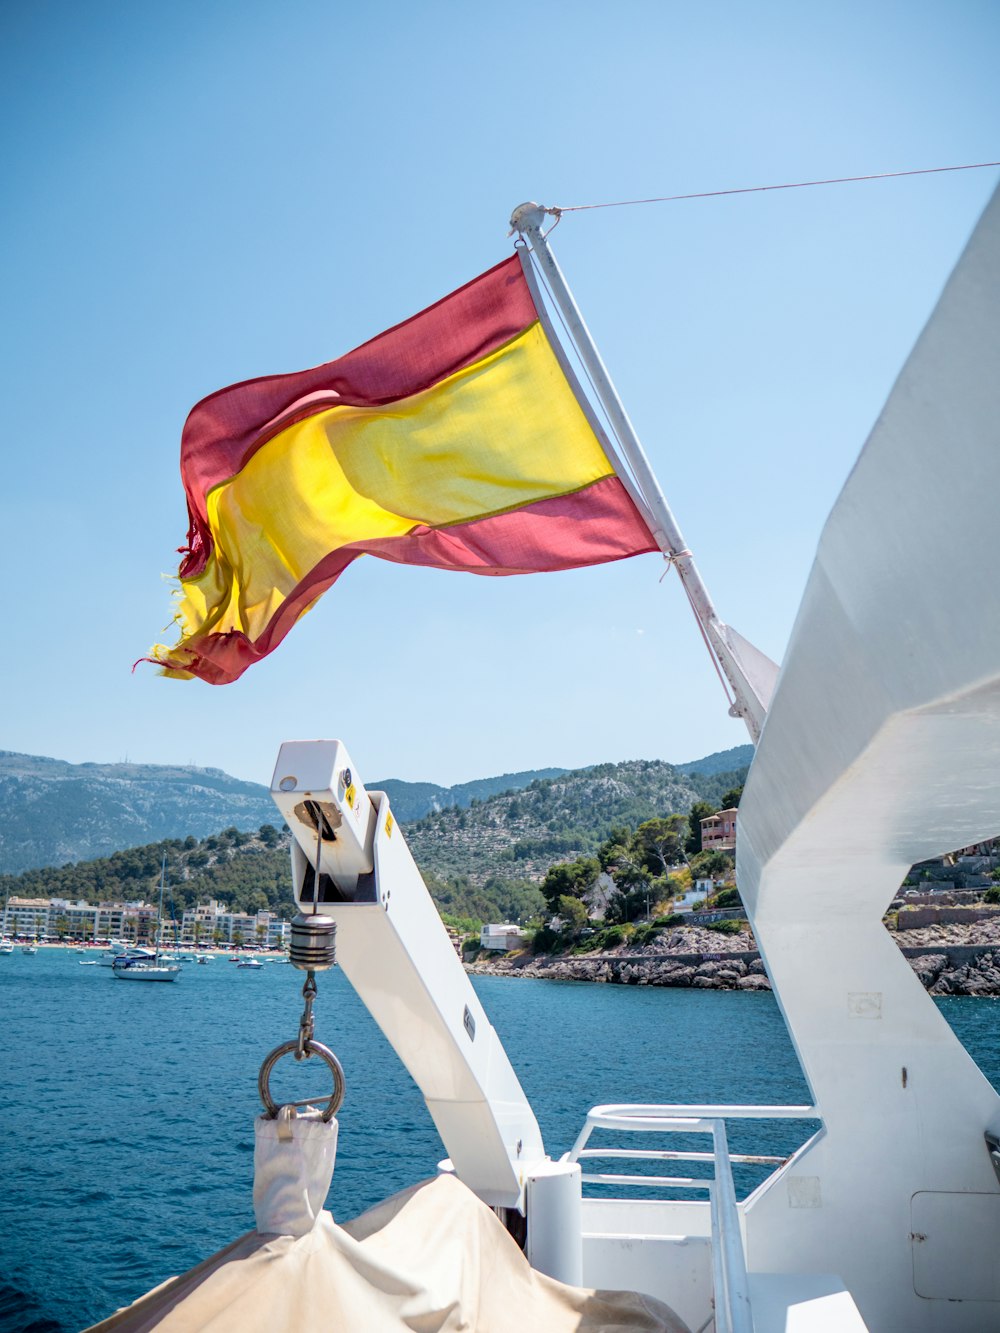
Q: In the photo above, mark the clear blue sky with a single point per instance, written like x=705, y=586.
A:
x=202, y=192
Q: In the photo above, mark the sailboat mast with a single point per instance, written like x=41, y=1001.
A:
x=159, y=910
x=527, y=219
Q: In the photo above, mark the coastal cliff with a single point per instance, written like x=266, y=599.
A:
x=948, y=960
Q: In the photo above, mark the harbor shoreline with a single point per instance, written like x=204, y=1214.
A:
x=944, y=965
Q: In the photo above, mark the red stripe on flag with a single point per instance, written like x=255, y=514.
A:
x=589, y=527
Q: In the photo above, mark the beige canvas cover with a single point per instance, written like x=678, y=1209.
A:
x=433, y=1259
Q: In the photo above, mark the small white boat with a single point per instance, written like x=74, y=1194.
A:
x=253, y=963
x=6, y=946
x=142, y=971
x=29, y=948
x=204, y=958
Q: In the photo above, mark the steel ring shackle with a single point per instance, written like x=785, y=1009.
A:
x=311, y=1048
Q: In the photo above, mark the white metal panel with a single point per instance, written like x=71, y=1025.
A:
x=881, y=748
x=674, y=1269
x=803, y=1303
x=955, y=1246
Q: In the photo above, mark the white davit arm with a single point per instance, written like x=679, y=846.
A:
x=396, y=954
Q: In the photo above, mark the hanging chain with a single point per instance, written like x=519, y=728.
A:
x=306, y=1021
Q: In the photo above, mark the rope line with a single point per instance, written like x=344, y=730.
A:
x=760, y=189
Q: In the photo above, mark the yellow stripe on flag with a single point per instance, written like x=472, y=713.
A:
x=500, y=434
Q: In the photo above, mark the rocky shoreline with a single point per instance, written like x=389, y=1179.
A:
x=948, y=960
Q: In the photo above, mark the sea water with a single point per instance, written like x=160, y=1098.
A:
x=126, y=1110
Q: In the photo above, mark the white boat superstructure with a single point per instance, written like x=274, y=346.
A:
x=882, y=748
x=118, y=949
x=879, y=746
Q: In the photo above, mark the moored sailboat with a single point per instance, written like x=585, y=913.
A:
x=129, y=967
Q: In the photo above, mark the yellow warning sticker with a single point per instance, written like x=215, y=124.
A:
x=388, y=825
x=349, y=794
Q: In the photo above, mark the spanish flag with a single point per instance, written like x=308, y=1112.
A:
x=457, y=440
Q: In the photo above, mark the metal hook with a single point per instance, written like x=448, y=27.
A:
x=302, y=1048
x=311, y=1048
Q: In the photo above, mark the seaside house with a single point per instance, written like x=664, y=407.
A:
x=502, y=937
x=718, y=831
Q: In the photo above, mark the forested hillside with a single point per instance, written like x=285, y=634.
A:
x=248, y=871
x=520, y=834
x=413, y=800
x=723, y=761
x=52, y=812
x=485, y=861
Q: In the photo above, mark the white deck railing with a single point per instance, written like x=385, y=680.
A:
x=729, y=1271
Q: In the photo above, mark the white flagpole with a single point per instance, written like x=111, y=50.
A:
x=750, y=703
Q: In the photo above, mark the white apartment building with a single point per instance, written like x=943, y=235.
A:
x=58, y=918
x=212, y=922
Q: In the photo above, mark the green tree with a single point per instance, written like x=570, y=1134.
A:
x=573, y=912
x=731, y=798
x=713, y=864
x=634, y=893
x=570, y=879
x=615, y=849
x=658, y=843
x=727, y=898
x=699, y=811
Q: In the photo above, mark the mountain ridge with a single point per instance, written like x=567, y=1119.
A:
x=53, y=813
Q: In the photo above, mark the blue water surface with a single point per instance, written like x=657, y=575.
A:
x=127, y=1109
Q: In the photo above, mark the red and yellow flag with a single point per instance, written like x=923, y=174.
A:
x=454, y=440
